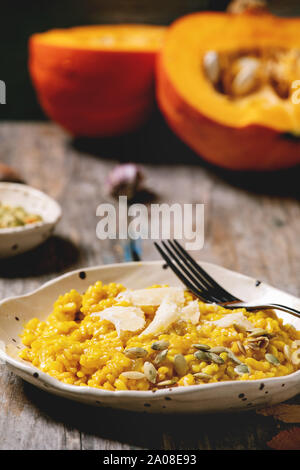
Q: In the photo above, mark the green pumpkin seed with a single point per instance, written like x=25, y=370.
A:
x=202, y=347
x=135, y=353
x=215, y=358
x=218, y=349
x=202, y=356
x=164, y=383
x=160, y=345
x=232, y=356
x=259, y=332
x=133, y=375
x=272, y=359
x=202, y=375
x=160, y=357
x=150, y=372
x=242, y=369
x=180, y=364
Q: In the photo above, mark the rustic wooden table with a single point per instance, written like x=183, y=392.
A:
x=252, y=224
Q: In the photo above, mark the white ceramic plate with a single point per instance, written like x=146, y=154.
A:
x=223, y=396
x=16, y=240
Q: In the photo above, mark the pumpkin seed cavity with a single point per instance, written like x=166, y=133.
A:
x=241, y=73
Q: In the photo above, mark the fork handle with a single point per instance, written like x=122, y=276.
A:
x=250, y=306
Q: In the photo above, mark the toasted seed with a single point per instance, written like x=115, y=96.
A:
x=202, y=347
x=253, y=346
x=215, y=358
x=295, y=344
x=150, y=372
x=160, y=345
x=272, y=359
x=218, y=349
x=259, y=341
x=161, y=356
x=241, y=347
x=180, y=364
x=212, y=66
x=232, y=356
x=242, y=369
x=258, y=332
x=287, y=351
x=135, y=353
x=166, y=382
x=296, y=357
x=202, y=375
x=239, y=328
x=133, y=375
x=202, y=356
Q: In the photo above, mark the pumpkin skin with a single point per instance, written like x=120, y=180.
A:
x=247, y=138
x=96, y=80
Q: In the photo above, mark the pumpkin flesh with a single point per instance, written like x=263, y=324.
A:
x=96, y=80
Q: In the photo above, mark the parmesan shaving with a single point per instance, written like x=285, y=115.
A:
x=191, y=312
x=231, y=318
x=123, y=318
x=166, y=314
x=169, y=312
x=153, y=297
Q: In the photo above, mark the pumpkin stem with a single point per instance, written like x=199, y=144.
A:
x=256, y=7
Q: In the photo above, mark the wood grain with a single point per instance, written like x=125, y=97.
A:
x=252, y=224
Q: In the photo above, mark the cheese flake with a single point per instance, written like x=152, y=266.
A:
x=231, y=318
x=153, y=297
x=123, y=318
x=191, y=312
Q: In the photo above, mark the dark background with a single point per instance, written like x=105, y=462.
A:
x=21, y=18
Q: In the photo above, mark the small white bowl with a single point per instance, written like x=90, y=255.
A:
x=17, y=240
x=213, y=397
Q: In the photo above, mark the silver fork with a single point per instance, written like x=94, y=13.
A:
x=198, y=281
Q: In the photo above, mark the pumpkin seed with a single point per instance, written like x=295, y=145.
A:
x=133, y=375
x=295, y=344
x=245, y=80
x=211, y=65
x=202, y=347
x=160, y=345
x=287, y=351
x=166, y=382
x=258, y=332
x=135, y=353
x=239, y=328
x=241, y=347
x=272, y=359
x=232, y=356
x=202, y=375
x=180, y=364
x=242, y=369
x=218, y=349
x=215, y=358
x=161, y=356
x=202, y=356
x=296, y=357
x=150, y=372
x=258, y=342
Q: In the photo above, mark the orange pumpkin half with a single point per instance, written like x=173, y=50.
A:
x=96, y=80
x=227, y=85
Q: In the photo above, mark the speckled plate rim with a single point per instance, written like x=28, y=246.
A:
x=32, y=371
x=56, y=209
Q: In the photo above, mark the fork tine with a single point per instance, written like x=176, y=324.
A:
x=181, y=262
x=178, y=273
x=225, y=296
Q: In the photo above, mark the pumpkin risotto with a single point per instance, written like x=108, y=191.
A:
x=117, y=339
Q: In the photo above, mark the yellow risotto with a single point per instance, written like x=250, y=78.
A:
x=78, y=346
